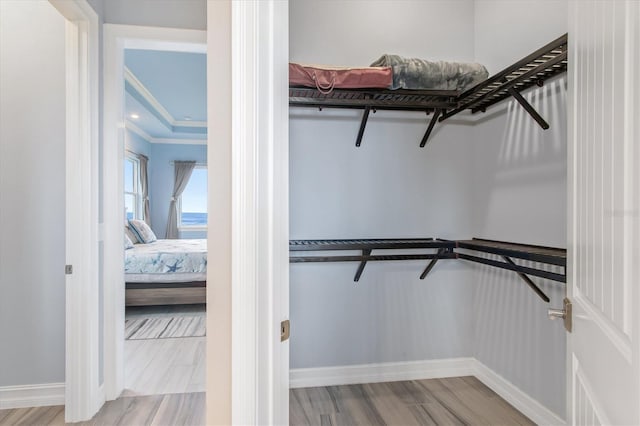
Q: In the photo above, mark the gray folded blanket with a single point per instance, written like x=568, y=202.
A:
x=413, y=73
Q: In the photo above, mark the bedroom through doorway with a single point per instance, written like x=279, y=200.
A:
x=165, y=213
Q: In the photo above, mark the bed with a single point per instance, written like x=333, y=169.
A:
x=166, y=272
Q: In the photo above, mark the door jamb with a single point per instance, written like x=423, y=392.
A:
x=83, y=396
x=259, y=150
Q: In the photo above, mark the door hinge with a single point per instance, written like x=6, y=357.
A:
x=68, y=269
x=566, y=313
x=284, y=330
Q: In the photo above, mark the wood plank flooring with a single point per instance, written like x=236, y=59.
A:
x=452, y=401
x=164, y=366
x=170, y=410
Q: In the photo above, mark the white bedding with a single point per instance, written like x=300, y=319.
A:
x=167, y=261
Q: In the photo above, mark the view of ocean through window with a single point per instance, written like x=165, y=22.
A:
x=194, y=219
x=193, y=201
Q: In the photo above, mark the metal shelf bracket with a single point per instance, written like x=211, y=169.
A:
x=363, y=124
x=527, y=106
x=432, y=123
x=432, y=264
x=365, y=254
x=527, y=280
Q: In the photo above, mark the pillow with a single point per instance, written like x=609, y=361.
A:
x=142, y=231
x=132, y=235
x=127, y=242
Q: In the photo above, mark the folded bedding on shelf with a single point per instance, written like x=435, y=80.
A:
x=420, y=74
x=326, y=78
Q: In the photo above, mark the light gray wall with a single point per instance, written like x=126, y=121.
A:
x=357, y=32
x=520, y=195
x=98, y=6
x=191, y=14
x=388, y=187
x=32, y=193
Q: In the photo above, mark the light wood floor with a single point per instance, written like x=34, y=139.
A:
x=453, y=401
x=164, y=366
x=170, y=410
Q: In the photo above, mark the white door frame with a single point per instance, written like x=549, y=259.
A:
x=117, y=38
x=83, y=396
x=258, y=149
x=248, y=266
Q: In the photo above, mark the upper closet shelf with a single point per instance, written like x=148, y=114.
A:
x=533, y=70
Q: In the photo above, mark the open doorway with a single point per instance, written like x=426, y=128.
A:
x=165, y=201
x=155, y=116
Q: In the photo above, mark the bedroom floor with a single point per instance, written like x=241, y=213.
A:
x=167, y=365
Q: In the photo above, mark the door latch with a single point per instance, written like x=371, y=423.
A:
x=284, y=330
x=565, y=314
x=68, y=269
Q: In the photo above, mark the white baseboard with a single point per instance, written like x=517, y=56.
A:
x=528, y=406
x=31, y=395
x=431, y=369
x=382, y=372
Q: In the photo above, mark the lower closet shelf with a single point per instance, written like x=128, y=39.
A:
x=444, y=249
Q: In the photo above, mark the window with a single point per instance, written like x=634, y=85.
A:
x=132, y=195
x=193, y=201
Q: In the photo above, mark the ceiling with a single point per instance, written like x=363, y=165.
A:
x=166, y=95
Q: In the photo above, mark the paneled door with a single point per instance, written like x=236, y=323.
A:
x=604, y=213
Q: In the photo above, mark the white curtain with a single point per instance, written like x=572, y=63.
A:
x=182, y=173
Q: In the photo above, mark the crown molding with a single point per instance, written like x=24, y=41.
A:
x=146, y=136
x=142, y=90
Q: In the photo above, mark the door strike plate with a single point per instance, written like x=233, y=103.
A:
x=68, y=269
x=284, y=330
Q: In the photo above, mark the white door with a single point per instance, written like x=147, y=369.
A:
x=604, y=242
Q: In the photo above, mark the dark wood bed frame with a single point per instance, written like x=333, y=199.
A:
x=147, y=294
